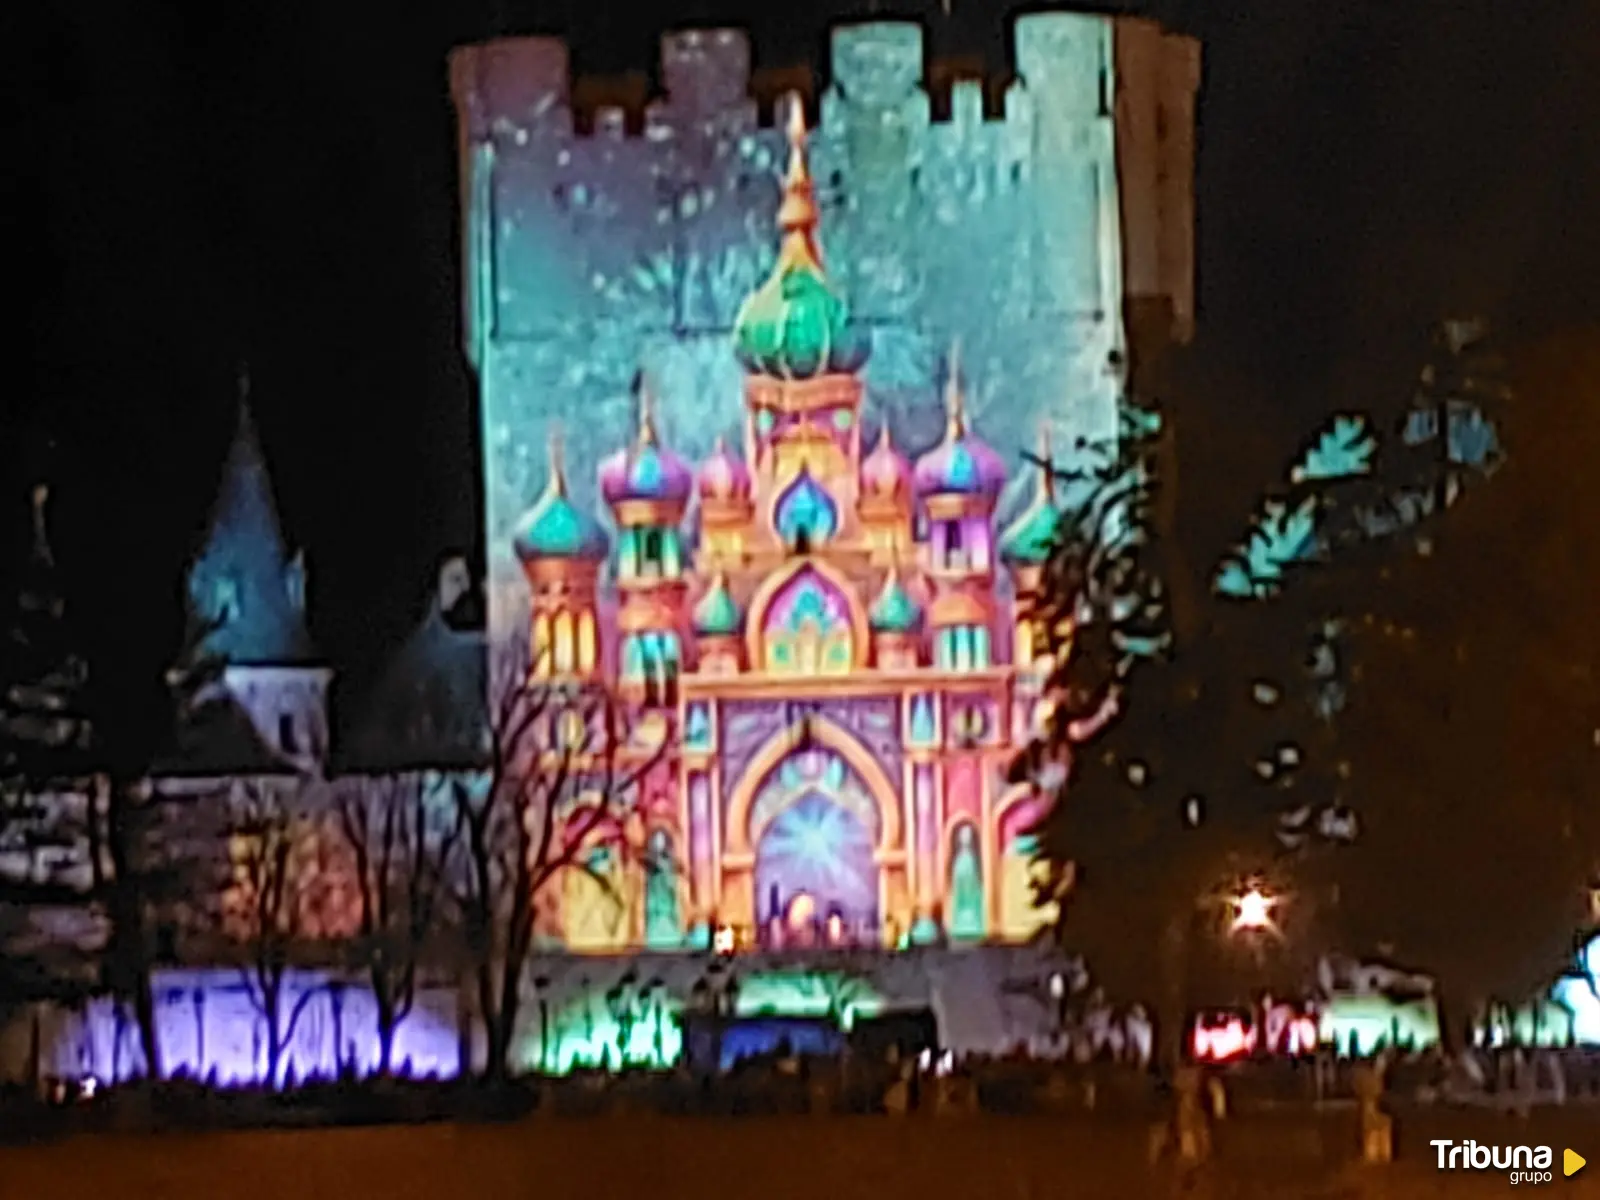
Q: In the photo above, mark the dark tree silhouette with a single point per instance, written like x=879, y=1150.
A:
x=401, y=869
x=293, y=900
x=566, y=762
x=1228, y=759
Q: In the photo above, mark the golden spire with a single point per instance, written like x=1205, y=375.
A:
x=557, y=486
x=797, y=214
x=1047, y=466
x=647, y=415
x=955, y=404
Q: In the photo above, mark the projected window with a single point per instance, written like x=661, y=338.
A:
x=651, y=661
x=962, y=648
x=564, y=643
x=649, y=553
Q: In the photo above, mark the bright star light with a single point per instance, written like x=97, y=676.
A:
x=1253, y=910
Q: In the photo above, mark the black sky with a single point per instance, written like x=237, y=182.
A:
x=276, y=182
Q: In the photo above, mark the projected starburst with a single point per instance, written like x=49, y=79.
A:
x=819, y=847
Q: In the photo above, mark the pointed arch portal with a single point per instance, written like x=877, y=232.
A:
x=817, y=822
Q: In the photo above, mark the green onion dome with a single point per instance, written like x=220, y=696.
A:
x=796, y=326
x=717, y=614
x=1028, y=539
x=895, y=610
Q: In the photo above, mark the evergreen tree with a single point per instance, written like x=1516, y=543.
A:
x=45, y=733
x=45, y=742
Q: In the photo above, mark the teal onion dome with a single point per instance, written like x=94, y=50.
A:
x=895, y=610
x=717, y=614
x=1030, y=537
x=796, y=326
x=555, y=527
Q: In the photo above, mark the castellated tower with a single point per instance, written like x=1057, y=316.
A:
x=1044, y=240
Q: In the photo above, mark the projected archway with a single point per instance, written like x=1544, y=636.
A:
x=816, y=821
x=814, y=826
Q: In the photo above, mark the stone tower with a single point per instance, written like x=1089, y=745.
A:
x=1054, y=241
x=246, y=609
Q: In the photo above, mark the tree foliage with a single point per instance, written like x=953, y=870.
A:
x=1259, y=733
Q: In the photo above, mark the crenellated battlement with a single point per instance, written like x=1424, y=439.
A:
x=608, y=233
x=524, y=85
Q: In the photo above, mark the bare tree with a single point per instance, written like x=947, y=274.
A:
x=566, y=760
x=288, y=893
x=400, y=869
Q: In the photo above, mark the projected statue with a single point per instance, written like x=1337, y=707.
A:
x=966, y=885
x=663, y=923
x=833, y=645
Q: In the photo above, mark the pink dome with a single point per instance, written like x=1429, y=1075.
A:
x=723, y=476
x=885, y=473
x=645, y=471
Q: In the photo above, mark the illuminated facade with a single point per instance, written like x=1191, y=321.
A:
x=801, y=540
x=839, y=642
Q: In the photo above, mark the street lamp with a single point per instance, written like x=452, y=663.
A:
x=1252, y=910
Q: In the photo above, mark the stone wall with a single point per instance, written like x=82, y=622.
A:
x=591, y=255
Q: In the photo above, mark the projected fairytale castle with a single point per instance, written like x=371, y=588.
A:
x=844, y=690
x=780, y=500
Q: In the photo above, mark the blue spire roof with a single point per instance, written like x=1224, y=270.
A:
x=555, y=527
x=246, y=595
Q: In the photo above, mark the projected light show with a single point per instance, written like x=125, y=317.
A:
x=798, y=519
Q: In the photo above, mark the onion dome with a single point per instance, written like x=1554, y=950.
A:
x=1027, y=541
x=555, y=527
x=717, y=614
x=646, y=470
x=962, y=464
x=723, y=476
x=795, y=325
x=885, y=473
x=895, y=610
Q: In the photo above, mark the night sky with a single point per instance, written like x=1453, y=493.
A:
x=201, y=185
